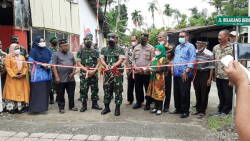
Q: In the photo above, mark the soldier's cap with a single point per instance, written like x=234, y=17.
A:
x=63, y=42
x=87, y=39
x=14, y=38
x=52, y=38
x=89, y=35
x=233, y=33
x=112, y=35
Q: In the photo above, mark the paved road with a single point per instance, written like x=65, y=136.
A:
x=131, y=123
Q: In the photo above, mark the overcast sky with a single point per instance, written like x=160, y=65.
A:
x=181, y=5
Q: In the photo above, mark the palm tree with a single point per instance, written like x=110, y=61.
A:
x=168, y=11
x=137, y=18
x=177, y=15
x=217, y=4
x=152, y=8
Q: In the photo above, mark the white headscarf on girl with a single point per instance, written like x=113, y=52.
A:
x=17, y=56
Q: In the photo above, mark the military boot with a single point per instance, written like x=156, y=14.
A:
x=106, y=109
x=95, y=105
x=117, y=110
x=84, y=106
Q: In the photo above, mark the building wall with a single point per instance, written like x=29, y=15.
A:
x=88, y=22
x=8, y=31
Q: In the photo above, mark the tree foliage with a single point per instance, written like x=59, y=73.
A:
x=152, y=8
x=121, y=23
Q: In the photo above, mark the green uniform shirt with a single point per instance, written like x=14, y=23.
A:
x=112, y=55
x=88, y=57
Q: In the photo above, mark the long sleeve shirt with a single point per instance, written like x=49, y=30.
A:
x=184, y=53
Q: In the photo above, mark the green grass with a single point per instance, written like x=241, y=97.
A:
x=215, y=123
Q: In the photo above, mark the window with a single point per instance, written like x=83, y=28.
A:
x=48, y=35
x=22, y=13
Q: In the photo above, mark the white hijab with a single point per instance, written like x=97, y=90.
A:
x=17, y=57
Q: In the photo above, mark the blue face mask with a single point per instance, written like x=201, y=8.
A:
x=182, y=40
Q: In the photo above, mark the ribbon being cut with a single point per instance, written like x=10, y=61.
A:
x=115, y=69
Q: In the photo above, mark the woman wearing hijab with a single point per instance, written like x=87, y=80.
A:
x=16, y=98
x=40, y=76
x=156, y=87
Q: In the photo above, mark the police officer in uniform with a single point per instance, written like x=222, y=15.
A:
x=111, y=58
x=88, y=58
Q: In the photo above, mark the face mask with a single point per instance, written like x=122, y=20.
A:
x=17, y=51
x=161, y=42
x=143, y=43
x=157, y=53
x=133, y=44
x=111, y=43
x=182, y=40
x=54, y=43
x=42, y=44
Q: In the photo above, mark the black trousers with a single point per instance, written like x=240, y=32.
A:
x=225, y=94
x=70, y=89
x=3, y=79
x=141, y=80
x=201, y=90
x=182, y=94
x=168, y=88
x=130, y=90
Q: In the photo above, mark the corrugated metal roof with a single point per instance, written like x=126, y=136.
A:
x=196, y=28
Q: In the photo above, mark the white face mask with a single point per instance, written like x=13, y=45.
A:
x=17, y=51
x=42, y=44
x=157, y=53
x=133, y=43
x=161, y=42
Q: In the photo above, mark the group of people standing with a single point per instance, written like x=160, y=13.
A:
x=151, y=71
x=157, y=82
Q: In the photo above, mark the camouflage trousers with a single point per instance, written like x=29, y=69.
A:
x=112, y=84
x=85, y=83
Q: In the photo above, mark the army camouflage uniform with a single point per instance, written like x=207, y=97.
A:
x=112, y=83
x=2, y=68
x=54, y=86
x=88, y=58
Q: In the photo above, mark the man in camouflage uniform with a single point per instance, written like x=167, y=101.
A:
x=112, y=58
x=87, y=58
x=53, y=48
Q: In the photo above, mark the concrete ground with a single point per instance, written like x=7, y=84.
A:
x=131, y=123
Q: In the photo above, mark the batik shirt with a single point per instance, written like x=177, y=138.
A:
x=218, y=54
